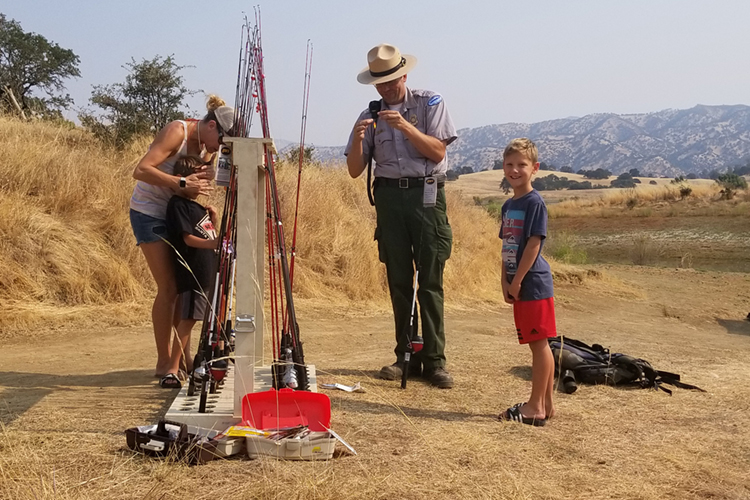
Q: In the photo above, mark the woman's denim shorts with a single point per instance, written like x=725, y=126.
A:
x=147, y=229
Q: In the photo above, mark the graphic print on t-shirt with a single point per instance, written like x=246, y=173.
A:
x=512, y=234
x=206, y=228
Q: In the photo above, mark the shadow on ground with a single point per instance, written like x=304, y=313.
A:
x=735, y=326
x=372, y=407
x=522, y=372
x=22, y=391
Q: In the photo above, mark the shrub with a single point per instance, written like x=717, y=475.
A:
x=732, y=181
x=623, y=183
x=652, y=182
x=575, y=185
x=685, y=191
x=564, y=247
x=599, y=173
x=677, y=180
x=645, y=250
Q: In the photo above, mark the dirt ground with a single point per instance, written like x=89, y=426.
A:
x=703, y=242
x=67, y=395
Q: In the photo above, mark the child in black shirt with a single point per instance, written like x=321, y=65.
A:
x=192, y=234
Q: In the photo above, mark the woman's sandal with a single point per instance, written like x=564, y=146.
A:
x=513, y=414
x=170, y=381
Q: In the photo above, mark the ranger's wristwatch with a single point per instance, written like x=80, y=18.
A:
x=183, y=182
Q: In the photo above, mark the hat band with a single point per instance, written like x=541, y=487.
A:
x=378, y=74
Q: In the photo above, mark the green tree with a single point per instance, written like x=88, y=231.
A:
x=599, y=173
x=30, y=64
x=152, y=95
x=732, y=181
x=497, y=164
x=545, y=166
x=505, y=186
x=624, y=180
x=292, y=156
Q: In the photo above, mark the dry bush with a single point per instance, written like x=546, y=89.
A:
x=337, y=255
x=563, y=246
x=612, y=202
x=65, y=238
x=645, y=250
x=68, y=254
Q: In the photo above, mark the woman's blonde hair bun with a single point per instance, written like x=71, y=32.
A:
x=214, y=102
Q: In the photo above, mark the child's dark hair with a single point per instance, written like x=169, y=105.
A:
x=188, y=165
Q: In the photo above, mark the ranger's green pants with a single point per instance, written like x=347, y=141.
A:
x=403, y=226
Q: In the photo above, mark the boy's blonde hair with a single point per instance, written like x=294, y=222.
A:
x=524, y=146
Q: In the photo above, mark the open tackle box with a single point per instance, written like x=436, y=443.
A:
x=177, y=441
x=287, y=424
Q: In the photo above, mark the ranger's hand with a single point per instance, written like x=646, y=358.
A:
x=359, y=129
x=394, y=119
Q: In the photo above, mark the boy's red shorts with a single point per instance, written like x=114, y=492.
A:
x=535, y=319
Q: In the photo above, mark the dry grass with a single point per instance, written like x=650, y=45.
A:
x=67, y=252
x=69, y=260
x=65, y=239
x=487, y=184
x=63, y=421
x=645, y=201
x=337, y=255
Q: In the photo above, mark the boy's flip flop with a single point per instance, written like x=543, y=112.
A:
x=513, y=414
x=170, y=381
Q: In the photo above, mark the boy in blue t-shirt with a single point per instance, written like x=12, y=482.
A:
x=527, y=279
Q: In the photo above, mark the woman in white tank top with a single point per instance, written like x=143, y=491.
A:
x=148, y=205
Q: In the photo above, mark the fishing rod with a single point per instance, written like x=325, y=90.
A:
x=290, y=370
x=303, y=129
x=210, y=363
x=414, y=342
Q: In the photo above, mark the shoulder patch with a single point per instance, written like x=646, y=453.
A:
x=436, y=99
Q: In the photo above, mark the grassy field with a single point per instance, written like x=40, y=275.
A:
x=78, y=352
x=487, y=184
x=654, y=225
x=68, y=396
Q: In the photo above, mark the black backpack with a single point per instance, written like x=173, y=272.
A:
x=576, y=361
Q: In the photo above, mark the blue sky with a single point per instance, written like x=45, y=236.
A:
x=493, y=61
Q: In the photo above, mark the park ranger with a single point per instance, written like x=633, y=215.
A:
x=407, y=139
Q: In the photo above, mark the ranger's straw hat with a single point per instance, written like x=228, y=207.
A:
x=385, y=63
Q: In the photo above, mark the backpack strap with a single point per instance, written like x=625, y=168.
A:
x=674, y=380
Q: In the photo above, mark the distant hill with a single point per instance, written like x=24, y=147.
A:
x=669, y=142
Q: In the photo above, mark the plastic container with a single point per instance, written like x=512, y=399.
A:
x=270, y=410
x=286, y=408
x=314, y=446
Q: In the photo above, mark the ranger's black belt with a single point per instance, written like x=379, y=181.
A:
x=403, y=182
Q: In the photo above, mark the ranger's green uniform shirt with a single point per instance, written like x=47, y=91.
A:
x=394, y=155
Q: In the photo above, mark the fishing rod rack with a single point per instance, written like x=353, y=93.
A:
x=249, y=373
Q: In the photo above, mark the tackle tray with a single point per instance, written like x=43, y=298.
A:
x=308, y=412
x=286, y=408
x=173, y=440
x=314, y=446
